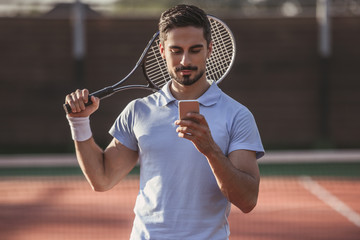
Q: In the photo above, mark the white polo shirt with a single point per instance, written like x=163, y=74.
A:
x=179, y=197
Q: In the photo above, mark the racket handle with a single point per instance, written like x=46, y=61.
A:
x=103, y=93
x=67, y=107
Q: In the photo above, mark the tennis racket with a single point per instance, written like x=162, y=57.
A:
x=155, y=69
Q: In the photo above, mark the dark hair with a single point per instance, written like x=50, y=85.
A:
x=182, y=16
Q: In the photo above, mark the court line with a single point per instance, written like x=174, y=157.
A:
x=38, y=160
x=336, y=204
x=311, y=156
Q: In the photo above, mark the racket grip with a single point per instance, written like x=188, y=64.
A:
x=105, y=92
x=67, y=107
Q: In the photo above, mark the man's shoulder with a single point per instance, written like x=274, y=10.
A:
x=147, y=102
x=226, y=101
x=151, y=98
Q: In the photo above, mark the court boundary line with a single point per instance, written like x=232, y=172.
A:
x=311, y=156
x=329, y=199
x=288, y=156
x=39, y=160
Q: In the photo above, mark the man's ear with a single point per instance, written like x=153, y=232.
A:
x=210, y=48
x=162, y=50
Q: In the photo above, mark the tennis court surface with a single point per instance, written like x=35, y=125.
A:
x=303, y=195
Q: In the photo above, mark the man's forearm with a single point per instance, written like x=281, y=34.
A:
x=105, y=168
x=239, y=187
x=91, y=160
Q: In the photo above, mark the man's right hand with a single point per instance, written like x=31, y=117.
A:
x=77, y=101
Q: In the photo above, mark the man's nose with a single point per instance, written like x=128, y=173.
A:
x=185, y=60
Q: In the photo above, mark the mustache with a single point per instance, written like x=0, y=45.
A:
x=194, y=68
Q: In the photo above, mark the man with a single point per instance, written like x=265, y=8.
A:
x=190, y=170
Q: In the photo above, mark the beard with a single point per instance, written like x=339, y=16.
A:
x=186, y=80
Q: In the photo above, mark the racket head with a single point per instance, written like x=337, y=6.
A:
x=154, y=65
x=222, y=57
x=218, y=65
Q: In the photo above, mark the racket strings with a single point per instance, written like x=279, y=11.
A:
x=223, y=51
x=155, y=66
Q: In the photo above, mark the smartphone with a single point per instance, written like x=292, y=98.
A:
x=186, y=106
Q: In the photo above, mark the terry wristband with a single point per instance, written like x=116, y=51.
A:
x=80, y=128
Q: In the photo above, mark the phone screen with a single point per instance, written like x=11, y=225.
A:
x=186, y=106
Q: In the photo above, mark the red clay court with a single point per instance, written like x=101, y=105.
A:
x=291, y=206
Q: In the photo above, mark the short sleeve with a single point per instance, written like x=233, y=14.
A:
x=245, y=134
x=123, y=127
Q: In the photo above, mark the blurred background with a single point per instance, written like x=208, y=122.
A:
x=297, y=66
x=297, y=69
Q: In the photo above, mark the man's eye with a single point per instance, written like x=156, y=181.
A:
x=175, y=51
x=196, y=50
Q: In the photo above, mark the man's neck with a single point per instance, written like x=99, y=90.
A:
x=194, y=91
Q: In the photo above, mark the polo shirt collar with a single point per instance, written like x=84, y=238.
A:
x=210, y=97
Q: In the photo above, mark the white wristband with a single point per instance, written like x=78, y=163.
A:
x=80, y=128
